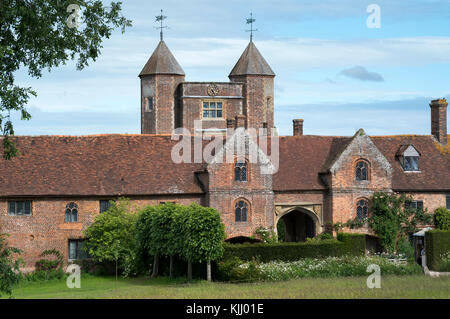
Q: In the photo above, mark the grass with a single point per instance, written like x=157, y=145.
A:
x=412, y=286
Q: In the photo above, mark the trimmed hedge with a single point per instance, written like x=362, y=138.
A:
x=346, y=244
x=437, y=242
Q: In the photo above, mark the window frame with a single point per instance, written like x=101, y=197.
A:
x=404, y=161
x=100, y=205
x=247, y=174
x=447, y=201
x=247, y=213
x=149, y=107
x=71, y=219
x=77, y=250
x=367, y=168
x=24, y=203
x=367, y=205
x=408, y=204
x=209, y=101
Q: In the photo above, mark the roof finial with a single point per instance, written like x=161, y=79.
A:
x=161, y=18
x=250, y=21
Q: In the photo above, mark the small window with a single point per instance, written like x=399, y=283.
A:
x=71, y=214
x=411, y=163
x=149, y=107
x=76, y=250
x=104, y=205
x=212, y=110
x=361, y=172
x=240, y=171
x=21, y=208
x=447, y=201
x=241, y=210
x=362, y=209
x=415, y=204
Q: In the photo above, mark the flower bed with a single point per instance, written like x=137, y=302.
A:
x=329, y=267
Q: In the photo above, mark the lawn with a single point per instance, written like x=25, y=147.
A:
x=413, y=286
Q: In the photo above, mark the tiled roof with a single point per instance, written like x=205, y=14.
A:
x=162, y=61
x=97, y=165
x=251, y=62
x=113, y=165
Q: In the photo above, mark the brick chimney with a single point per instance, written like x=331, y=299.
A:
x=298, y=127
x=240, y=120
x=439, y=120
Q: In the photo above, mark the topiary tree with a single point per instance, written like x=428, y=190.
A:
x=111, y=237
x=442, y=218
x=203, y=236
x=9, y=268
x=155, y=236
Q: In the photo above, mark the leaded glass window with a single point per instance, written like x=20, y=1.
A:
x=71, y=214
x=104, y=205
x=362, y=209
x=240, y=171
x=76, y=250
x=19, y=208
x=212, y=110
x=411, y=163
x=361, y=172
x=241, y=210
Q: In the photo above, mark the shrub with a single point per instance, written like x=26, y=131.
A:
x=442, y=218
x=405, y=248
x=49, y=264
x=349, y=244
x=45, y=275
x=234, y=269
x=437, y=243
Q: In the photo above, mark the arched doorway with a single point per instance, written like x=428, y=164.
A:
x=297, y=225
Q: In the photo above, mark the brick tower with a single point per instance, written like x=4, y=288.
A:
x=160, y=78
x=253, y=70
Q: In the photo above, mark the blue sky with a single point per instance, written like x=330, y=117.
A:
x=332, y=70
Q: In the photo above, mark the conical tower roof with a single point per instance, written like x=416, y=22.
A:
x=252, y=62
x=162, y=61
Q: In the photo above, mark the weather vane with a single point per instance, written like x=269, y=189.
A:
x=161, y=18
x=250, y=21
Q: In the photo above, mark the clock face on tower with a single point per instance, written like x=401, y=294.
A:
x=213, y=90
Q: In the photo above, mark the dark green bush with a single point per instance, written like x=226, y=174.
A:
x=442, y=218
x=348, y=244
x=437, y=244
x=45, y=275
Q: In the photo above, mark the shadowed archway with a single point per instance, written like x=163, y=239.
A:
x=298, y=225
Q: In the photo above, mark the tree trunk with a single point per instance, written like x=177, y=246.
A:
x=155, y=266
x=171, y=267
x=189, y=270
x=208, y=270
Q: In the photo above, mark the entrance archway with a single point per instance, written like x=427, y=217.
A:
x=298, y=226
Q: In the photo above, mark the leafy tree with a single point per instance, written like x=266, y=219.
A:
x=391, y=220
x=111, y=237
x=40, y=34
x=9, y=268
x=442, y=218
x=155, y=233
x=204, y=234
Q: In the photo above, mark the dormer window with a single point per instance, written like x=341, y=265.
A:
x=409, y=158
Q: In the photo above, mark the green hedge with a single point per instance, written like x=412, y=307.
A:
x=437, y=242
x=346, y=244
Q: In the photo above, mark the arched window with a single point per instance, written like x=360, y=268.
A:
x=362, y=171
x=362, y=209
x=240, y=211
x=71, y=215
x=240, y=171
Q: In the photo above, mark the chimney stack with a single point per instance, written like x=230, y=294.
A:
x=298, y=127
x=439, y=120
x=240, y=120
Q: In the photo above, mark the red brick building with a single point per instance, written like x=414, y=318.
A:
x=54, y=189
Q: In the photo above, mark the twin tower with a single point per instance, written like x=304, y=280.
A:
x=168, y=102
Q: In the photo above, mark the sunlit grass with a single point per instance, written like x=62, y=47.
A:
x=417, y=286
